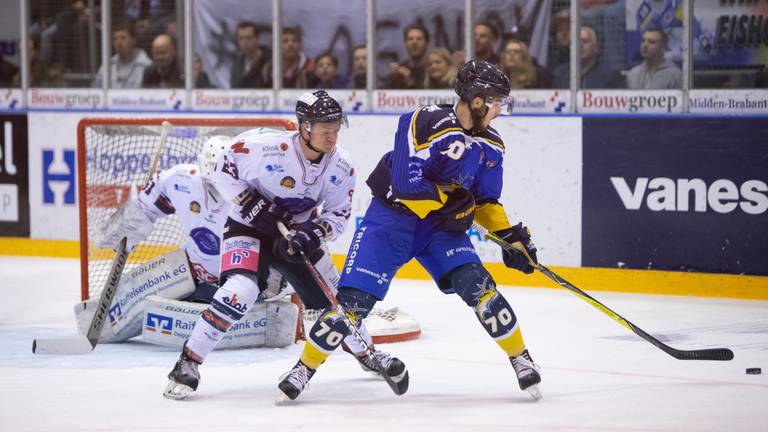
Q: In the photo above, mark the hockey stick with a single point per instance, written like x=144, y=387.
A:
x=700, y=354
x=87, y=343
x=340, y=310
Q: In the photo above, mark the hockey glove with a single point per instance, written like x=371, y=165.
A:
x=458, y=212
x=517, y=259
x=128, y=221
x=261, y=213
x=308, y=239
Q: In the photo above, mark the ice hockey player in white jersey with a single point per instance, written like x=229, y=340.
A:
x=186, y=190
x=299, y=178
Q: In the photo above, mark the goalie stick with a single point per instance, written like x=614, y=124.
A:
x=340, y=310
x=722, y=354
x=87, y=343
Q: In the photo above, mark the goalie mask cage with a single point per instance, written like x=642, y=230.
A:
x=114, y=155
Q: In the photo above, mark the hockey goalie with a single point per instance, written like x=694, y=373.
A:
x=163, y=297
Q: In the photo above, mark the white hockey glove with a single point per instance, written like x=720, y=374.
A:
x=128, y=221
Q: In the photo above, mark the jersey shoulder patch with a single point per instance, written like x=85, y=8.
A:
x=430, y=123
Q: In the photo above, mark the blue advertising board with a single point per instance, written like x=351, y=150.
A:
x=676, y=194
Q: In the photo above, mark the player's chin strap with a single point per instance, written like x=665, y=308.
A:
x=702, y=354
x=343, y=314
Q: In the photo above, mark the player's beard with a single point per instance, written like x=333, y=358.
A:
x=479, y=123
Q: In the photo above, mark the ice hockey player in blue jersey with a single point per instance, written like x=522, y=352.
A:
x=444, y=172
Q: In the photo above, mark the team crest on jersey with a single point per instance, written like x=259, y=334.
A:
x=334, y=180
x=274, y=168
x=288, y=182
x=283, y=146
x=194, y=207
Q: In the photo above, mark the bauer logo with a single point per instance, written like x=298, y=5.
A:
x=159, y=323
x=675, y=194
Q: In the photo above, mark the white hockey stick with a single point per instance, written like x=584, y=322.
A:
x=86, y=344
x=397, y=387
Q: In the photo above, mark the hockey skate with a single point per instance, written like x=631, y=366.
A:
x=528, y=374
x=184, y=378
x=393, y=367
x=293, y=382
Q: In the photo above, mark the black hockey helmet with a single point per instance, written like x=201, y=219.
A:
x=480, y=78
x=318, y=107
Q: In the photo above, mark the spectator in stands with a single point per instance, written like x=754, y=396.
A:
x=128, y=63
x=655, y=72
x=199, y=77
x=250, y=68
x=359, y=68
x=410, y=73
x=40, y=74
x=7, y=72
x=297, y=67
x=520, y=67
x=594, y=75
x=325, y=75
x=486, y=36
x=164, y=70
x=560, y=29
x=441, y=71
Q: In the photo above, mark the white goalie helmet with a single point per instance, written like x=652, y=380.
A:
x=206, y=160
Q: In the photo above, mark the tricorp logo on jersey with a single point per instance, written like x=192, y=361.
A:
x=159, y=323
x=684, y=195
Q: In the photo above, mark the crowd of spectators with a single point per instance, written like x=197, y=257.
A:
x=146, y=55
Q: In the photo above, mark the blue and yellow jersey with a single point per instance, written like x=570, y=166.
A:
x=434, y=155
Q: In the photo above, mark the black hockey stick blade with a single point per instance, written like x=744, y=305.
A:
x=722, y=354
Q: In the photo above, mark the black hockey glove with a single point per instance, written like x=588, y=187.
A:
x=261, y=213
x=308, y=239
x=458, y=212
x=517, y=259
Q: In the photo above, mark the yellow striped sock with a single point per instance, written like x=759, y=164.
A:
x=512, y=343
x=313, y=357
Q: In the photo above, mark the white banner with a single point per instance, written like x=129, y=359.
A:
x=65, y=98
x=629, y=101
x=540, y=102
x=351, y=101
x=146, y=100
x=339, y=25
x=753, y=101
x=395, y=101
x=233, y=100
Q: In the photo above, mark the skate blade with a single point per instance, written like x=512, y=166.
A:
x=282, y=399
x=534, y=391
x=177, y=391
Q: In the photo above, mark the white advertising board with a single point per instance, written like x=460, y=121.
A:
x=11, y=99
x=629, y=101
x=542, y=177
x=753, y=101
x=147, y=100
x=65, y=98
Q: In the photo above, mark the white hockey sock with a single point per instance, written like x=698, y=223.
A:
x=229, y=304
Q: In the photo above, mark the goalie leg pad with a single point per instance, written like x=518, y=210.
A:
x=230, y=303
x=476, y=287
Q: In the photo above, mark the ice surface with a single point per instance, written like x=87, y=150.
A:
x=597, y=375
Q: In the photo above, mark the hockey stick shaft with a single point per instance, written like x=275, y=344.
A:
x=101, y=313
x=701, y=354
x=331, y=296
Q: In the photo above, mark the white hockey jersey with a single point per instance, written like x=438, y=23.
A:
x=181, y=190
x=273, y=163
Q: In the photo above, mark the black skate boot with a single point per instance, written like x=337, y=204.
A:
x=294, y=381
x=393, y=367
x=184, y=378
x=528, y=373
